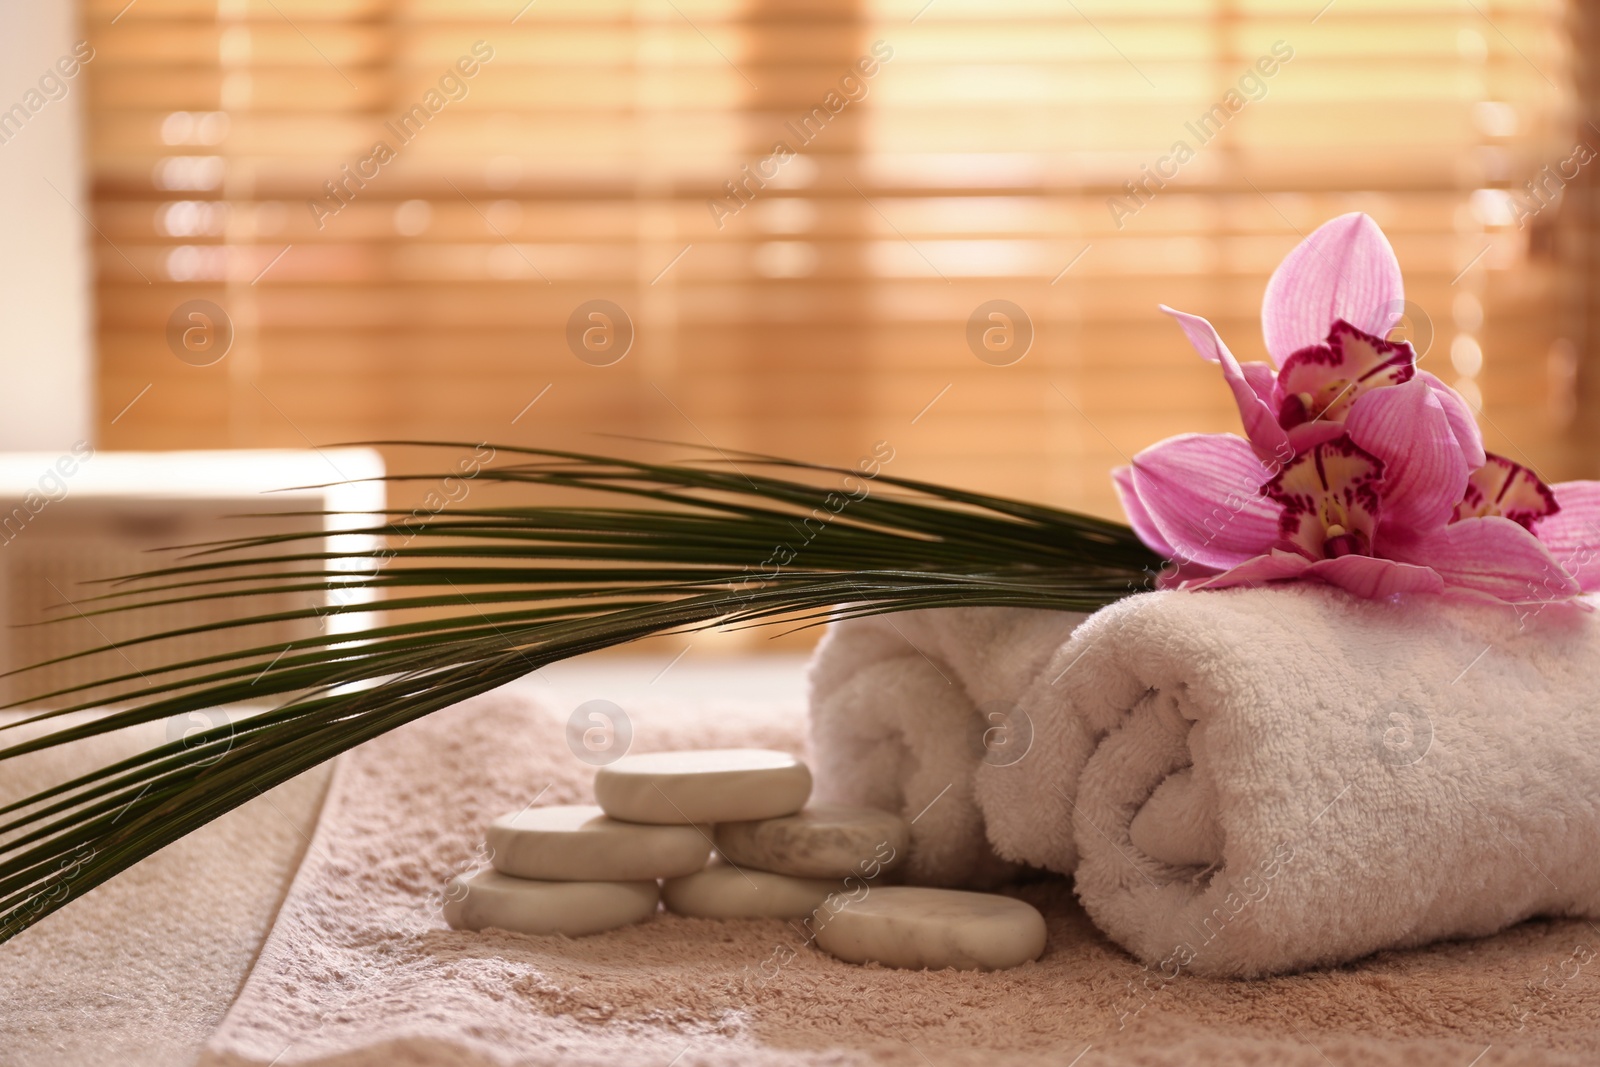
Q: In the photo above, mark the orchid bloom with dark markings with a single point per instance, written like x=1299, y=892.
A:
x=1356, y=468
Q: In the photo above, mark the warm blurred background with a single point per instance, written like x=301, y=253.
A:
x=794, y=211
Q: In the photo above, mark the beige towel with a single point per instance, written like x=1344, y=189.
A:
x=361, y=972
x=146, y=965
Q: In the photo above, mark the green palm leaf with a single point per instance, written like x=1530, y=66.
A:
x=486, y=595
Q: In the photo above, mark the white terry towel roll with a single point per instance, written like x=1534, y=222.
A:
x=1289, y=777
x=905, y=710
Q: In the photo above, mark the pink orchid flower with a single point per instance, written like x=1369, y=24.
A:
x=1357, y=469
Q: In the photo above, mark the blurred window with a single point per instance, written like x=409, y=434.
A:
x=801, y=226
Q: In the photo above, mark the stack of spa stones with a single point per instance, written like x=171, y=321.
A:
x=579, y=869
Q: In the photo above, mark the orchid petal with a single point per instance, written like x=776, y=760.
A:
x=1262, y=379
x=1362, y=576
x=1138, y=516
x=1309, y=435
x=1573, y=534
x=1330, y=499
x=1505, y=487
x=1462, y=421
x=1178, y=575
x=1424, y=471
x=1202, y=493
x=1320, y=383
x=1276, y=565
x=1496, y=556
x=1255, y=408
x=1344, y=270
x=1372, y=578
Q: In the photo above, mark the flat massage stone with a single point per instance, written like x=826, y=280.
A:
x=488, y=898
x=915, y=927
x=726, y=892
x=713, y=785
x=579, y=843
x=825, y=841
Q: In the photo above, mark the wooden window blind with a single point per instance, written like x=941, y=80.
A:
x=1575, y=246
x=783, y=226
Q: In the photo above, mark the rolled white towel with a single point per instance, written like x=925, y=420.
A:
x=906, y=708
x=1289, y=777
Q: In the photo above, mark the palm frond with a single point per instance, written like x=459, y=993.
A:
x=487, y=595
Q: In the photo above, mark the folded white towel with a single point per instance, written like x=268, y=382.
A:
x=1253, y=781
x=1293, y=777
x=906, y=708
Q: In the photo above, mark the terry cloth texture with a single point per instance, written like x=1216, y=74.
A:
x=361, y=970
x=1248, y=781
x=140, y=971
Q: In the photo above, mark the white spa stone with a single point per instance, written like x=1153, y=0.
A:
x=580, y=843
x=826, y=841
x=726, y=892
x=915, y=927
x=488, y=898
x=712, y=785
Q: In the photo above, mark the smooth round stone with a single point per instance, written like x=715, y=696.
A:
x=725, y=892
x=915, y=927
x=488, y=898
x=580, y=843
x=713, y=785
x=826, y=841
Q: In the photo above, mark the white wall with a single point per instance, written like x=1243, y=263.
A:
x=46, y=374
